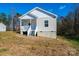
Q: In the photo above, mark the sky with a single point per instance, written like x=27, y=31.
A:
x=60, y=9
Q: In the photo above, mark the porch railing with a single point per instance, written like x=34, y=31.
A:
x=31, y=31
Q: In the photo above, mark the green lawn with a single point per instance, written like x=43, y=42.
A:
x=74, y=43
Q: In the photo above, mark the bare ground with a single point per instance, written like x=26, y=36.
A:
x=19, y=45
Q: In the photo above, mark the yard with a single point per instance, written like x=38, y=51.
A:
x=14, y=44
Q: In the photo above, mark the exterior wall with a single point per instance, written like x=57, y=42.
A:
x=48, y=34
x=51, y=26
x=2, y=28
x=43, y=31
x=49, y=31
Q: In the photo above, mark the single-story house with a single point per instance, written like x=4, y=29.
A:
x=2, y=27
x=38, y=22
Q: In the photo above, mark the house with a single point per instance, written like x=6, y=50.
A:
x=2, y=27
x=38, y=22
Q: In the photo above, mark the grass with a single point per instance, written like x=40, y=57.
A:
x=15, y=44
x=74, y=42
x=3, y=49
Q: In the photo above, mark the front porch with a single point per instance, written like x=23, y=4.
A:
x=28, y=27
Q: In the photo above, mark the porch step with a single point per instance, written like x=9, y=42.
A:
x=32, y=33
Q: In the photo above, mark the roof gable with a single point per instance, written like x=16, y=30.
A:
x=46, y=12
x=38, y=13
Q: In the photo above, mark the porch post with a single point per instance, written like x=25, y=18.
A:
x=21, y=32
x=29, y=27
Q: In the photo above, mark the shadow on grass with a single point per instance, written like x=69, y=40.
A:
x=74, y=40
x=3, y=49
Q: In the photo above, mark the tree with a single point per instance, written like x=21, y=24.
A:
x=3, y=18
x=60, y=25
x=70, y=24
x=76, y=21
x=16, y=22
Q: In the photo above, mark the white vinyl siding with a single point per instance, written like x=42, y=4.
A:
x=51, y=24
x=2, y=27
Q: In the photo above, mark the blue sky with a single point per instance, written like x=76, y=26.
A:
x=59, y=9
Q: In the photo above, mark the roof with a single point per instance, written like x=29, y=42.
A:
x=37, y=13
x=1, y=24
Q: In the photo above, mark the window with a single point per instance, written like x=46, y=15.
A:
x=46, y=23
x=25, y=22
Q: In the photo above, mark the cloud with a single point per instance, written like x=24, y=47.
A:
x=50, y=9
x=62, y=7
